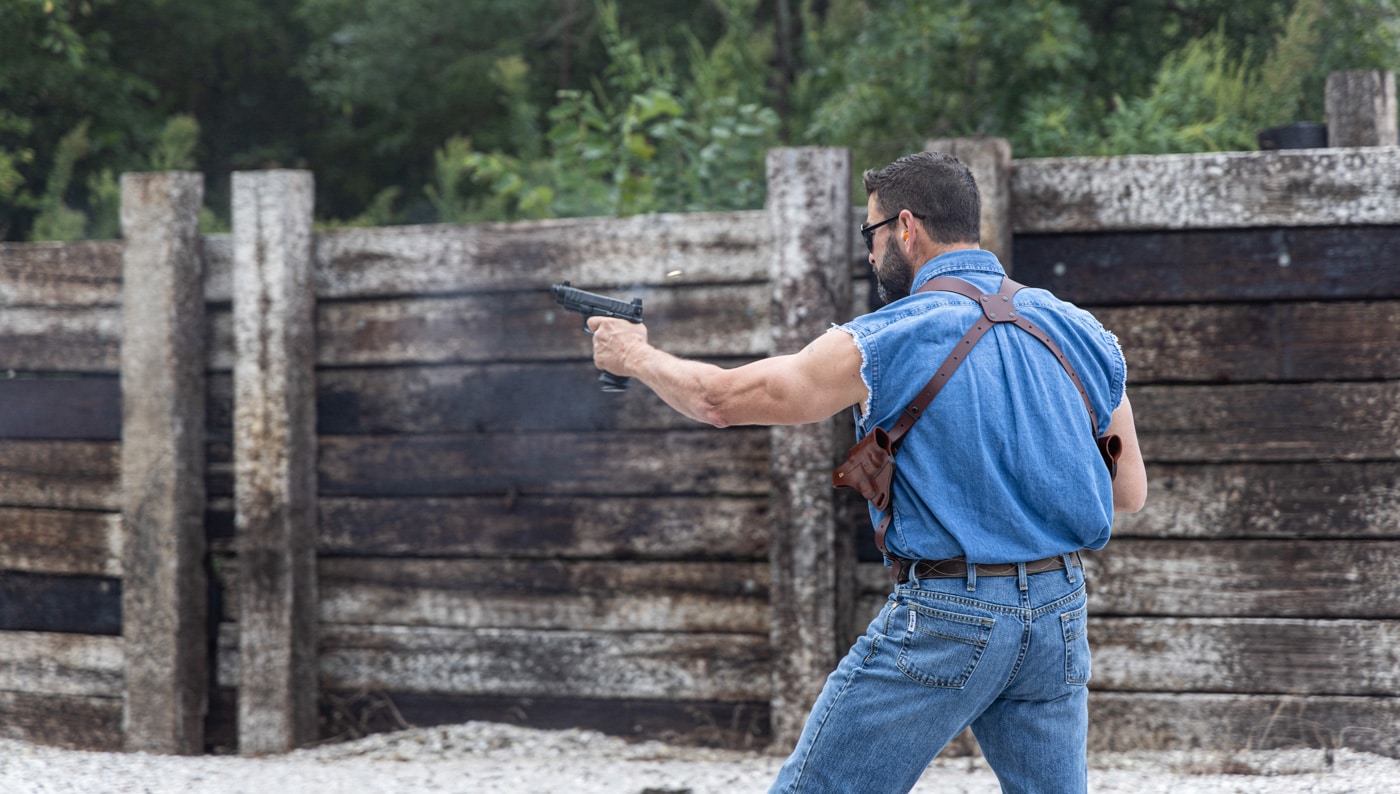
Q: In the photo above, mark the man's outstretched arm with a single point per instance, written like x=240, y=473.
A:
x=808, y=386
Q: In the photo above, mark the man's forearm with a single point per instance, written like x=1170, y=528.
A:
x=687, y=386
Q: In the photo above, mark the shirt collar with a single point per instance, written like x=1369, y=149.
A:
x=963, y=260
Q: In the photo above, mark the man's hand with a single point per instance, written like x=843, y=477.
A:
x=614, y=341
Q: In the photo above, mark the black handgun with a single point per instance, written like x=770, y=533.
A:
x=591, y=305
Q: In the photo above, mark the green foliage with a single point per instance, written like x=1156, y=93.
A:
x=56, y=220
x=1205, y=98
x=175, y=149
x=511, y=109
x=639, y=141
x=917, y=70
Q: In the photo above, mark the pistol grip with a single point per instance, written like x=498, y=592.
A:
x=613, y=383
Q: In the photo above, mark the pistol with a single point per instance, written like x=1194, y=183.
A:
x=590, y=305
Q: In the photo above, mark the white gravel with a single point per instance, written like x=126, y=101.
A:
x=477, y=758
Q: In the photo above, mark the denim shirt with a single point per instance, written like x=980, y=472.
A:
x=1002, y=467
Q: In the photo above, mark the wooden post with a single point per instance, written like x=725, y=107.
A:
x=809, y=210
x=162, y=463
x=989, y=159
x=275, y=459
x=1361, y=109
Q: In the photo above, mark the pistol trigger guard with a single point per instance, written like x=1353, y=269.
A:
x=586, y=329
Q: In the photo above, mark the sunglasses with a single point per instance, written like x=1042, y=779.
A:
x=868, y=232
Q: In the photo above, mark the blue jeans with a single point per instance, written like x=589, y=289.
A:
x=1007, y=655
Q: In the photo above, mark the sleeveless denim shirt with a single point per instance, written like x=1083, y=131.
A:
x=1002, y=467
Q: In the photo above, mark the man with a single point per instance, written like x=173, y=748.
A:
x=997, y=486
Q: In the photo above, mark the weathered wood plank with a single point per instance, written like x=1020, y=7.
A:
x=1246, y=578
x=705, y=527
x=61, y=274
x=591, y=252
x=1360, y=108
x=1246, y=655
x=1214, y=265
x=733, y=725
x=546, y=595
x=1137, y=722
x=529, y=326
x=162, y=462
x=78, y=475
x=1269, y=500
x=505, y=662
x=61, y=408
x=471, y=398
x=61, y=664
x=1266, y=422
x=1315, y=187
x=275, y=457
x=72, y=721
x=732, y=461
x=807, y=205
x=1258, y=342
x=69, y=604
x=60, y=542
x=44, y=339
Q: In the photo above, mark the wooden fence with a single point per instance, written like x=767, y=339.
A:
x=475, y=531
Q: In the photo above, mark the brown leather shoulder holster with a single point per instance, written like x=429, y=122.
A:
x=869, y=466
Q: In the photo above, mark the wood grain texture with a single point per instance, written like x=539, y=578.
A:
x=1135, y=722
x=1306, y=499
x=547, y=595
x=77, y=722
x=732, y=461
x=60, y=542
x=1317, y=187
x=1277, y=263
x=1269, y=423
x=684, y=527
x=81, y=475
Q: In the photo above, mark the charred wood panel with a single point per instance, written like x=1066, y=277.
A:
x=530, y=326
x=60, y=542
x=483, y=399
x=75, y=274
x=1136, y=722
x=79, y=475
x=348, y=714
x=61, y=664
x=1267, y=422
x=65, y=604
x=67, y=408
x=76, y=722
x=730, y=461
x=722, y=247
x=1306, y=341
x=1246, y=655
x=698, y=527
x=1323, y=501
x=1246, y=578
x=547, y=595
x=1213, y=266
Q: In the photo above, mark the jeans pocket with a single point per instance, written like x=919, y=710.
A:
x=1078, y=667
x=941, y=648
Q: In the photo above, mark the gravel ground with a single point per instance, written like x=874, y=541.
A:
x=477, y=758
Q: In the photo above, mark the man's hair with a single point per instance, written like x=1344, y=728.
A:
x=937, y=187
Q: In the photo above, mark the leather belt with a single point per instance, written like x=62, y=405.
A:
x=956, y=568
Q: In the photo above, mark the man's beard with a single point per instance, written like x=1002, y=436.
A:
x=893, y=276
